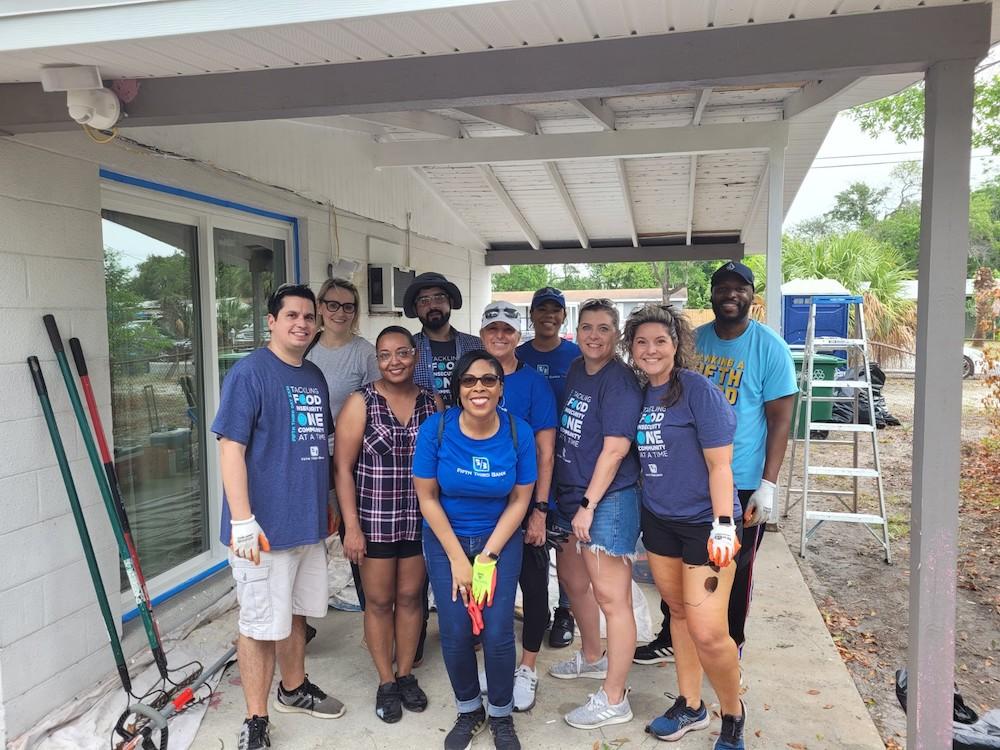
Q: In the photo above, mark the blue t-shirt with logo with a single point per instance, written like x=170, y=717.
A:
x=752, y=369
x=281, y=413
x=475, y=477
x=671, y=441
x=444, y=355
x=553, y=365
x=605, y=404
x=528, y=396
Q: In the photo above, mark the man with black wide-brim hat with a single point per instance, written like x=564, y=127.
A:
x=431, y=297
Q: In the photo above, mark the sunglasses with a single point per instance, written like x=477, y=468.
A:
x=401, y=354
x=597, y=302
x=489, y=380
x=508, y=312
x=333, y=306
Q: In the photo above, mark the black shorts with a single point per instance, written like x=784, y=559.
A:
x=688, y=541
x=388, y=550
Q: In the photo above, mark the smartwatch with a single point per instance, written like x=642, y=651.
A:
x=726, y=520
x=539, y=505
x=492, y=555
x=585, y=503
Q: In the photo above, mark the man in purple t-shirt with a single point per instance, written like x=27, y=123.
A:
x=273, y=426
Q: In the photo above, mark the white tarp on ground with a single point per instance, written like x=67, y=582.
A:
x=88, y=722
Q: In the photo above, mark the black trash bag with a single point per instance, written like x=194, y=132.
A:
x=843, y=411
x=969, y=731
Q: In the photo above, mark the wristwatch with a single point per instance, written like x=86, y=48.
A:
x=492, y=555
x=585, y=503
x=539, y=505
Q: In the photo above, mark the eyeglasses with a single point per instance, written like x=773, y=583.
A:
x=332, y=305
x=508, y=312
x=432, y=298
x=489, y=380
x=401, y=354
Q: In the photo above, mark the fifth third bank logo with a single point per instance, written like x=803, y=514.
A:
x=480, y=463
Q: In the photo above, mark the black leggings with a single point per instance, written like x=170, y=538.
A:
x=534, y=582
x=739, y=597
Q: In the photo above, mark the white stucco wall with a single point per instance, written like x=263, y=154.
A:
x=52, y=640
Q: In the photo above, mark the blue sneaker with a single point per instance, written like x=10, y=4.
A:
x=731, y=737
x=678, y=721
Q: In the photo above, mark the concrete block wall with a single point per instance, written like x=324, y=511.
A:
x=52, y=640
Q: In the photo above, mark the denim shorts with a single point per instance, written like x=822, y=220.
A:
x=615, y=529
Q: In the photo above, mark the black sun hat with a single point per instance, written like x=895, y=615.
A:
x=423, y=281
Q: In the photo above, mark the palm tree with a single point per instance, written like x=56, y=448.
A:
x=866, y=267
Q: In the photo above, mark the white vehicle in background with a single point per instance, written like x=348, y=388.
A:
x=974, y=363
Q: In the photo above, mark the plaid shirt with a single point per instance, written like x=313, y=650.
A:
x=422, y=376
x=387, y=502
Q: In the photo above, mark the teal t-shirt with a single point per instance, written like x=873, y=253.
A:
x=752, y=369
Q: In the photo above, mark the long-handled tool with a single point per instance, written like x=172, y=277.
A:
x=109, y=470
x=145, y=609
x=81, y=523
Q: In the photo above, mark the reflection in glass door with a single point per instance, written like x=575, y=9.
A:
x=151, y=281
x=247, y=268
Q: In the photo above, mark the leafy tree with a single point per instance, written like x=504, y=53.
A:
x=521, y=278
x=866, y=267
x=623, y=276
x=161, y=276
x=857, y=207
x=129, y=339
x=902, y=114
x=901, y=230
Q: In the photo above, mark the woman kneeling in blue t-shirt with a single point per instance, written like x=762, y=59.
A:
x=689, y=515
x=474, y=471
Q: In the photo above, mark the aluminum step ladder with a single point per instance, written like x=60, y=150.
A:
x=856, y=346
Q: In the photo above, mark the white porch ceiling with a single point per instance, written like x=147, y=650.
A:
x=611, y=197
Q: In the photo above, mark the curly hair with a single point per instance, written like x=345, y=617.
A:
x=680, y=333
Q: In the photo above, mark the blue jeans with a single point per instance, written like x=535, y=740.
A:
x=456, y=627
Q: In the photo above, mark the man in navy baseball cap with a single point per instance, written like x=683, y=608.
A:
x=735, y=268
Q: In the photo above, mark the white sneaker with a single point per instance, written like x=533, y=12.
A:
x=525, y=685
x=597, y=712
x=482, y=682
x=575, y=667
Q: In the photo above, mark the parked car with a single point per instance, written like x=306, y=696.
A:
x=974, y=364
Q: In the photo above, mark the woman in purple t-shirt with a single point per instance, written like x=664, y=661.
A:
x=684, y=438
x=597, y=503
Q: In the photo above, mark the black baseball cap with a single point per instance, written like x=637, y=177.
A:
x=732, y=267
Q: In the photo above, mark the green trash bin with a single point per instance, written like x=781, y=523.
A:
x=824, y=368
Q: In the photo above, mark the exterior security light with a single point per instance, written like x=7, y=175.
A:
x=88, y=102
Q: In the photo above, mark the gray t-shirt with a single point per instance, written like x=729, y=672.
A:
x=346, y=369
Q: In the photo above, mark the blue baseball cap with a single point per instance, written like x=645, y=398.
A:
x=547, y=294
x=735, y=268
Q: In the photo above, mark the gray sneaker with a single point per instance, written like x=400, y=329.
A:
x=576, y=667
x=308, y=699
x=597, y=712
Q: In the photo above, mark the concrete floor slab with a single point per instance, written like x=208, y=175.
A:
x=799, y=693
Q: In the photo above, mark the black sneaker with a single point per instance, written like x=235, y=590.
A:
x=656, y=651
x=467, y=726
x=388, y=706
x=563, y=629
x=254, y=734
x=731, y=736
x=308, y=699
x=413, y=697
x=504, y=736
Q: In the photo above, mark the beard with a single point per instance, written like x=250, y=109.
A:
x=741, y=314
x=435, y=320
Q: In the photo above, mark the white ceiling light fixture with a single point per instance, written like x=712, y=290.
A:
x=88, y=102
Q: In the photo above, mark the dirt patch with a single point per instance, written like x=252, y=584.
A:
x=865, y=602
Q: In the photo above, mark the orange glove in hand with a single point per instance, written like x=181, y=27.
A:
x=723, y=544
x=476, y=615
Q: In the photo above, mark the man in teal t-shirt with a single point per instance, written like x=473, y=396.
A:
x=753, y=368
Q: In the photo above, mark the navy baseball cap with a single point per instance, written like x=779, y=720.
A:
x=735, y=268
x=547, y=294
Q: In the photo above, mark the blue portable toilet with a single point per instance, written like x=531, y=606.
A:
x=831, y=320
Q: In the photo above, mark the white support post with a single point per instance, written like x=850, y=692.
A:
x=775, y=216
x=937, y=413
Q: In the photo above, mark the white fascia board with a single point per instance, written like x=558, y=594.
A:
x=698, y=139
x=37, y=25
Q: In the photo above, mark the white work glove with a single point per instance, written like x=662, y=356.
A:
x=248, y=539
x=760, y=505
x=723, y=543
